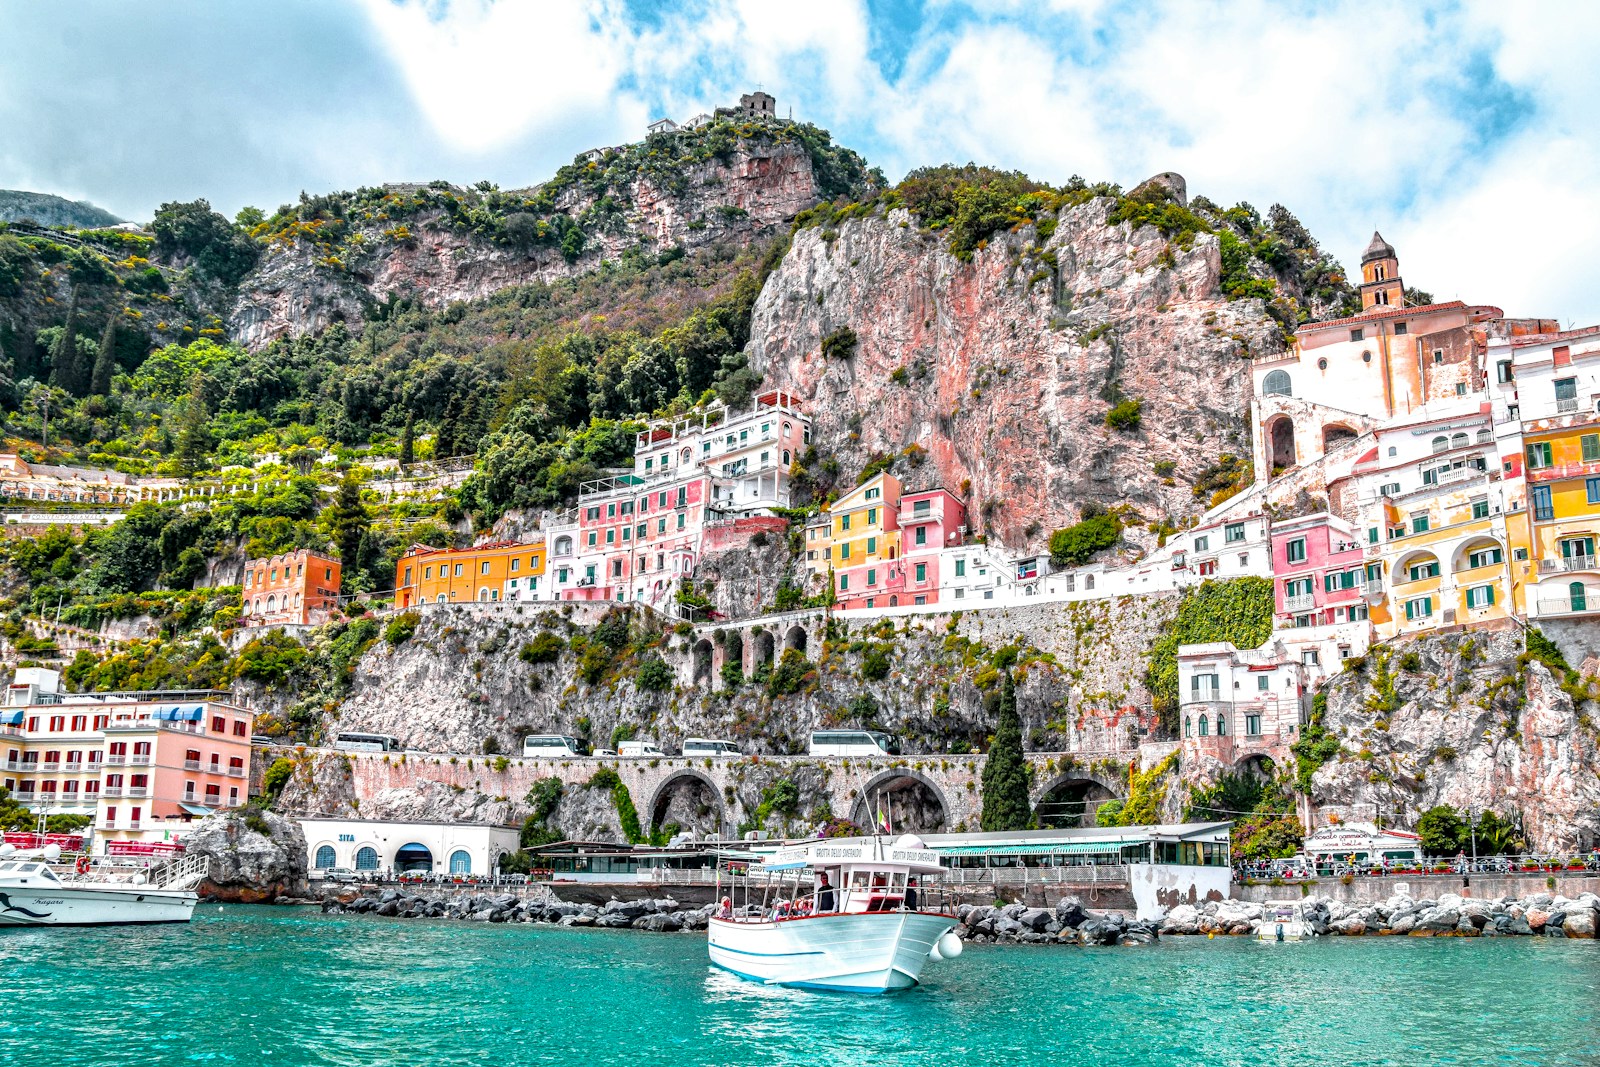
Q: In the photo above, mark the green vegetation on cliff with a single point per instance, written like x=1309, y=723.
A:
x=1238, y=611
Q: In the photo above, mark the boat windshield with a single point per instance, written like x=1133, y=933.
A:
x=855, y=879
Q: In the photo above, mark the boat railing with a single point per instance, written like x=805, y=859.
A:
x=181, y=872
x=1088, y=874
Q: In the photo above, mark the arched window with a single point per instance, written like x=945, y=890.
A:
x=1441, y=444
x=483, y=595
x=1580, y=596
x=1188, y=726
x=366, y=858
x=1485, y=436
x=325, y=857
x=1277, y=383
x=460, y=862
x=786, y=457
x=272, y=603
x=439, y=599
x=1222, y=725
x=1459, y=440
x=1205, y=726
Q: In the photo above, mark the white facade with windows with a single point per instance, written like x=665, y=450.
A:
x=1254, y=692
x=384, y=849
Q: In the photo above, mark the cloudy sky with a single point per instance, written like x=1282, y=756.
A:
x=1465, y=131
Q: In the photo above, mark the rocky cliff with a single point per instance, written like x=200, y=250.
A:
x=255, y=856
x=439, y=244
x=1464, y=720
x=999, y=372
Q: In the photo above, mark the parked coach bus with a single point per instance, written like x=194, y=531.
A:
x=707, y=747
x=550, y=746
x=366, y=742
x=853, y=743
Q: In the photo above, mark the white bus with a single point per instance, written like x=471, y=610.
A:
x=350, y=742
x=639, y=749
x=702, y=746
x=853, y=743
x=550, y=746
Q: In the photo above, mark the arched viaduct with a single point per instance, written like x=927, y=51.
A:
x=915, y=793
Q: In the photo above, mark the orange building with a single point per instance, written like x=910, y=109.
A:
x=488, y=573
x=294, y=589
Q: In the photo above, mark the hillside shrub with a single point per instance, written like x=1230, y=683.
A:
x=401, y=627
x=1075, y=545
x=840, y=344
x=1238, y=611
x=654, y=675
x=545, y=648
x=1126, y=415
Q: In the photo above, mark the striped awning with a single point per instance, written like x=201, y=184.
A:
x=1061, y=848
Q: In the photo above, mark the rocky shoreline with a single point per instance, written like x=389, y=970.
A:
x=1068, y=923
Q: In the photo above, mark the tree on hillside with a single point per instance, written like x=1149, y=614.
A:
x=194, y=429
x=1005, y=774
x=1440, y=830
x=218, y=250
x=446, y=439
x=350, y=522
x=408, y=440
x=105, y=361
x=64, y=355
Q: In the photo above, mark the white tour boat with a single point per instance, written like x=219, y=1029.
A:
x=31, y=894
x=857, y=914
x=1283, y=922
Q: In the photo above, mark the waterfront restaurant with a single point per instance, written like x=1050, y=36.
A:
x=605, y=861
x=1364, y=842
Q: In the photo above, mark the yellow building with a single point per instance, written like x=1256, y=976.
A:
x=855, y=539
x=486, y=573
x=1552, y=396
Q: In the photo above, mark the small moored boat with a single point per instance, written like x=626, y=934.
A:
x=32, y=894
x=1283, y=922
x=860, y=915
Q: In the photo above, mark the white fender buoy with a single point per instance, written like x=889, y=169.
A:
x=933, y=953
x=949, y=946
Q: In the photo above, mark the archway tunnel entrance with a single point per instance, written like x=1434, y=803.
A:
x=1280, y=444
x=413, y=857
x=902, y=800
x=1071, y=802
x=687, y=801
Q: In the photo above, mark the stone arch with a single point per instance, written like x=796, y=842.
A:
x=762, y=647
x=702, y=656
x=1257, y=765
x=1071, y=799
x=1335, y=434
x=1281, y=451
x=1403, y=565
x=795, y=638
x=689, y=798
x=1461, y=557
x=913, y=802
x=732, y=649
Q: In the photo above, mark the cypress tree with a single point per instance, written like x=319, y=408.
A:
x=64, y=353
x=105, y=362
x=194, y=429
x=446, y=439
x=350, y=523
x=1005, y=773
x=408, y=441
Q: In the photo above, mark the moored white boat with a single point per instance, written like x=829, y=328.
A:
x=1283, y=922
x=31, y=894
x=861, y=915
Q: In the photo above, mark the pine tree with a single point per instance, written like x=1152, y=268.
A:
x=194, y=429
x=1005, y=773
x=408, y=441
x=105, y=362
x=64, y=352
x=350, y=523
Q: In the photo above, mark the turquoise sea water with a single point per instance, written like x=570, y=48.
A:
x=264, y=986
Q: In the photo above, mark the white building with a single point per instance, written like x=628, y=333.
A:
x=1226, y=691
x=381, y=846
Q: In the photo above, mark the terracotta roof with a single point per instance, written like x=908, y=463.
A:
x=1375, y=315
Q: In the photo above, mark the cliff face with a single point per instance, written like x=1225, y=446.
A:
x=1458, y=720
x=432, y=259
x=1003, y=368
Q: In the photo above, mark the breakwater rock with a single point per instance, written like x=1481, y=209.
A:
x=661, y=915
x=1068, y=923
x=255, y=857
x=1537, y=915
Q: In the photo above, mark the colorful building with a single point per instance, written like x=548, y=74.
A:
x=883, y=547
x=1319, y=572
x=294, y=589
x=486, y=573
x=1548, y=405
x=142, y=765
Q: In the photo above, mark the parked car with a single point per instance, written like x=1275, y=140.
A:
x=340, y=874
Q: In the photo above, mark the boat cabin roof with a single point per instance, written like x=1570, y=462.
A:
x=13, y=870
x=907, y=854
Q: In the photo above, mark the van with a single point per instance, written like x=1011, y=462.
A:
x=639, y=749
x=550, y=746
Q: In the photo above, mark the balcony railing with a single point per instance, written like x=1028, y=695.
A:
x=138, y=791
x=17, y=765
x=1374, y=588
x=1569, y=606
x=1204, y=696
x=1301, y=602
x=53, y=765
x=212, y=800
x=235, y=772
x=142, y=760
x=111, y=791
x=191, y=765
x=133, y=824
x=1566, y=405
x=114, y=758
x=1577, y=563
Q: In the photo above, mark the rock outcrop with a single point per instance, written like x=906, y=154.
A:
x=1463, y=720
x=999, y=372
x=1540, y=914
x=256, y=856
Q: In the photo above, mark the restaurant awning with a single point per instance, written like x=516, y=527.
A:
x=1061, y=848
x=11, y=717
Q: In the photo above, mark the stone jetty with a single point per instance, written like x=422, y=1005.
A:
x=1537, y=915
x=662, y=915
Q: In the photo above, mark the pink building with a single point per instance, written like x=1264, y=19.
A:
x=631, y=538
x=1318, y=572
x=930, y=521
x=142, y=765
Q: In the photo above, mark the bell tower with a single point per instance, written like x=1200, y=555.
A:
x=1380, y=276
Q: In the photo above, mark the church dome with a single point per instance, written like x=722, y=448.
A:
x=1378, y=249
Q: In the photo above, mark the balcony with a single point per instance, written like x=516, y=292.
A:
x=140, y=760
x=1566, y=405
x=1576, y=563
x=212, y=800
x=111, y=791
x=1374, y=588
x=235, y=772
x=17, y=765
x=1209, y=695
x=1560, y=606
x=138, y=791
x=115, y=759
x=51, y=767
x=133, y=824
x=191, y=765
x=235, y=802
x=1300, y=602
